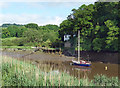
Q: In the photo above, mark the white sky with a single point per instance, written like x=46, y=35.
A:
x=41, y=12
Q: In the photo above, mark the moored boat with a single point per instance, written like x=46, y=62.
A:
x=80, y=62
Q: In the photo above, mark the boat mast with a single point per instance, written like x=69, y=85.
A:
x=78, y=45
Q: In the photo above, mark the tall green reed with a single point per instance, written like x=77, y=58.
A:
x=21, y=73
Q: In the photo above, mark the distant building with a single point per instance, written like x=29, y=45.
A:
x=67, y=44
x=66, y=37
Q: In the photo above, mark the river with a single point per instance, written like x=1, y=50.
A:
x=56, y=63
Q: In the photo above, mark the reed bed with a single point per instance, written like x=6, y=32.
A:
x=21, y=73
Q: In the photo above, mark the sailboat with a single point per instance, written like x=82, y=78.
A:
x=80, y=62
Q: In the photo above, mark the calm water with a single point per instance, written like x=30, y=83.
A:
x=55, y=63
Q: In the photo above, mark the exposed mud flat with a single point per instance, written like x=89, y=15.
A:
x=56, y=63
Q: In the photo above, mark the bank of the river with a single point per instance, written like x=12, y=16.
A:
x=30, y=54
x=62, y=64
x=20, y=73
x=103, y=57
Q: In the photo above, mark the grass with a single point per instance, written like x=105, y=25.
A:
x=21, y=73
x=15, y=47
x=50, y=48
x=24, y=47
x=10, y=38
x=11, y=41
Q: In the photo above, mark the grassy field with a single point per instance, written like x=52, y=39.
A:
x=13, y=42
x=16, y=47
x=10, y=38
x=21, y=73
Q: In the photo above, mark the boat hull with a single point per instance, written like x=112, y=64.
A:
x=81, y=63
x=87, y=65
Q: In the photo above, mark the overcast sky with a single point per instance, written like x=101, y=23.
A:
x=42, y=13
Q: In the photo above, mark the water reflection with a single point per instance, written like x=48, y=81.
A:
x=59, y=67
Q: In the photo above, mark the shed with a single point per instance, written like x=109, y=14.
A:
x=67, y=44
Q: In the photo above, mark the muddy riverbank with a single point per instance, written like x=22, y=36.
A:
x=29, y=54
x=58, y=63
x=104, y=57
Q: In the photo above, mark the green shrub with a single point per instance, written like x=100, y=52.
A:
x=105, y=81
x=13, y=41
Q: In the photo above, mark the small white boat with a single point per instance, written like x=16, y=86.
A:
x=80, y=62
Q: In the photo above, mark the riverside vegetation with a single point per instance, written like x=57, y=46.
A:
x=98, y=24
x=21, y=73
x=99, y=30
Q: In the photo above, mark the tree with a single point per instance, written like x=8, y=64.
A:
x=112, y=38
x=81, y=19
x=13, y=30
x=32, y=25
x=50, y=37
x=40, y=37
x=5, y=33
x=7, y=25
x=66, y=27
x=33, y=36
x=21, y=30
x=50, y=27
x=16, y=31
x=106, y=17
x=98, y=25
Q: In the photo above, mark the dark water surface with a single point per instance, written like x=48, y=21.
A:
x=56, y=63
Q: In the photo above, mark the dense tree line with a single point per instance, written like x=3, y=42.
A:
x=32, y=34
x=42, y=36
x=98, y=25
x=13, y=31
x=8, y=24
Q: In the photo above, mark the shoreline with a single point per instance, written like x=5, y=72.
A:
x=94, y=57
x=63, y=64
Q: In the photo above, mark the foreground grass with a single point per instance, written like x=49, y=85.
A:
x=20, y=73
